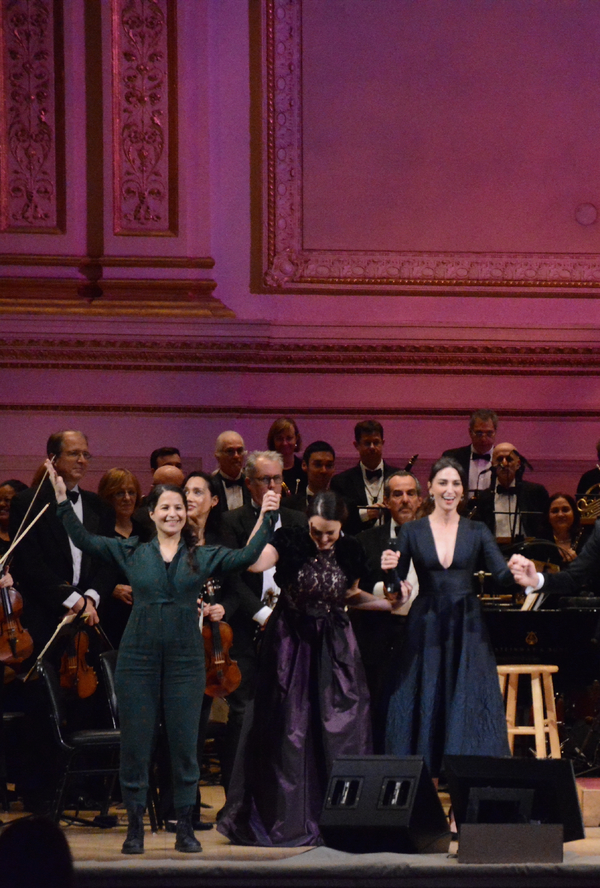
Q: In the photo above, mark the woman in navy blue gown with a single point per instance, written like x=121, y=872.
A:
x=445, y=692
x=312, y=702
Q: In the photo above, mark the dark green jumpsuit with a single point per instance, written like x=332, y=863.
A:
x=161, y=655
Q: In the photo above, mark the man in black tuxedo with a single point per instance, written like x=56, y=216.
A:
x=476, y=457
x=378, y=633
x=363, y=484
x=54, y=576
x=230, y=452
x=512, y=508
x=257, y=592
x=318, y=462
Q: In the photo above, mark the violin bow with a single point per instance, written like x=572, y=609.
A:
x=39, y=487
x=18, y=538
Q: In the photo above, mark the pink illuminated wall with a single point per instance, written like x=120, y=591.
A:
x=379, y=209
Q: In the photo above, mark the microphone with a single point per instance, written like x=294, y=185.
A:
x=392, y=580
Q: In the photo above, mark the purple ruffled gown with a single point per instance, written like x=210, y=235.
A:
x=311, y=703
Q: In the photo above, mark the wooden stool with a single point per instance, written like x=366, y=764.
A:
x=540, y=695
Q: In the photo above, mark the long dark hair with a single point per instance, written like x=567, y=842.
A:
x=213, y=522
x=188, y=535
x=446, y=462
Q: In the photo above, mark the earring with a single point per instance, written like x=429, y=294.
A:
x=431, y=497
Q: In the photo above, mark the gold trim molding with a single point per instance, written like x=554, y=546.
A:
x=41, y=259
x=243, y=411
x=287, y=267
x=270, y=357
x=151, y=298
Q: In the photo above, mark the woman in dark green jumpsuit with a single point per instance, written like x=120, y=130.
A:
x=161, y=656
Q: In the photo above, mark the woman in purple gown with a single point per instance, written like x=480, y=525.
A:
x=311, y=703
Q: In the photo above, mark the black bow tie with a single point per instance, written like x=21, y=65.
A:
x=507, y=491
x=238, y=482
x=484, y=456
x=73, y=495
x=376, y=473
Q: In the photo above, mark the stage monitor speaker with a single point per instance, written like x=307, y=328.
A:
x=383, y=803
x=511, y=810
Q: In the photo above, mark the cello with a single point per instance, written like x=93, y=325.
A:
x=222, y=673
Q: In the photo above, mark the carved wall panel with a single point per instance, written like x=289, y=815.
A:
x=32, y=197
x=433, y=158
x=145, y=117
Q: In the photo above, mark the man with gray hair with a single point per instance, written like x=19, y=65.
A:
x=257, y=592
x=379, y=634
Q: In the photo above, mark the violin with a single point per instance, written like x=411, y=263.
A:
x=75, y=671
x=16, y=644
x=222, y=673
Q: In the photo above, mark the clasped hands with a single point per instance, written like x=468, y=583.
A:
x=523, y=571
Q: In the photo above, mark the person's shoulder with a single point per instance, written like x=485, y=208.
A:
x=234, y=517
x=346, y=475
x=374, y=535
x=292, y=517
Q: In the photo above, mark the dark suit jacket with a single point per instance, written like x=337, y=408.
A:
x=220, y=483
x=462, y=455
x=43, y=566
x=530, y=498
x=587, y=480
x=374, y=541
x=237, y=527
x=350, y=485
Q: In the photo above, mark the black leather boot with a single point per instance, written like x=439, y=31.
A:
x=185, y=839
x=134, y=843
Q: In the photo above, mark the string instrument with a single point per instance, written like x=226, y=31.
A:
x=222, y=673
x=75, y=671
x=16, y=644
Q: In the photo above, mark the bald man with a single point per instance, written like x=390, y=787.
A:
x=512, y=508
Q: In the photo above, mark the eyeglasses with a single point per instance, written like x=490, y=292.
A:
x=505, y=459
x=479, y=434
x=121, y=494
x=266, y=479
x=234, y=451
x=76, y=454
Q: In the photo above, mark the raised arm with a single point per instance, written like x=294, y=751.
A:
x=102, y=547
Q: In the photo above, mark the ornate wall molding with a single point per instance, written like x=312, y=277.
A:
x=241, y=411
x=145, y=117
x=290, y=267
x=32, y=189
x=40, y=259
x=148, y=298
x=288, y=357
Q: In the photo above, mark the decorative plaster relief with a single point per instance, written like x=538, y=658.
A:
x=292, y=357
x=31, y=124
x=290, y=267
x=144, y=105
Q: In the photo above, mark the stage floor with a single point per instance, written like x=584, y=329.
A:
x=99, y=863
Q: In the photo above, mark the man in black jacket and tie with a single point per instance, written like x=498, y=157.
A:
x=363, y=484
x=475, y=458
x=230, y=452
x=54, y=576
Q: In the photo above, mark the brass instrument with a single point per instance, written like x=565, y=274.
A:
x=588, y=505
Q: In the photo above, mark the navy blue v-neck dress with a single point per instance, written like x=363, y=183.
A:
x=445, y=694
